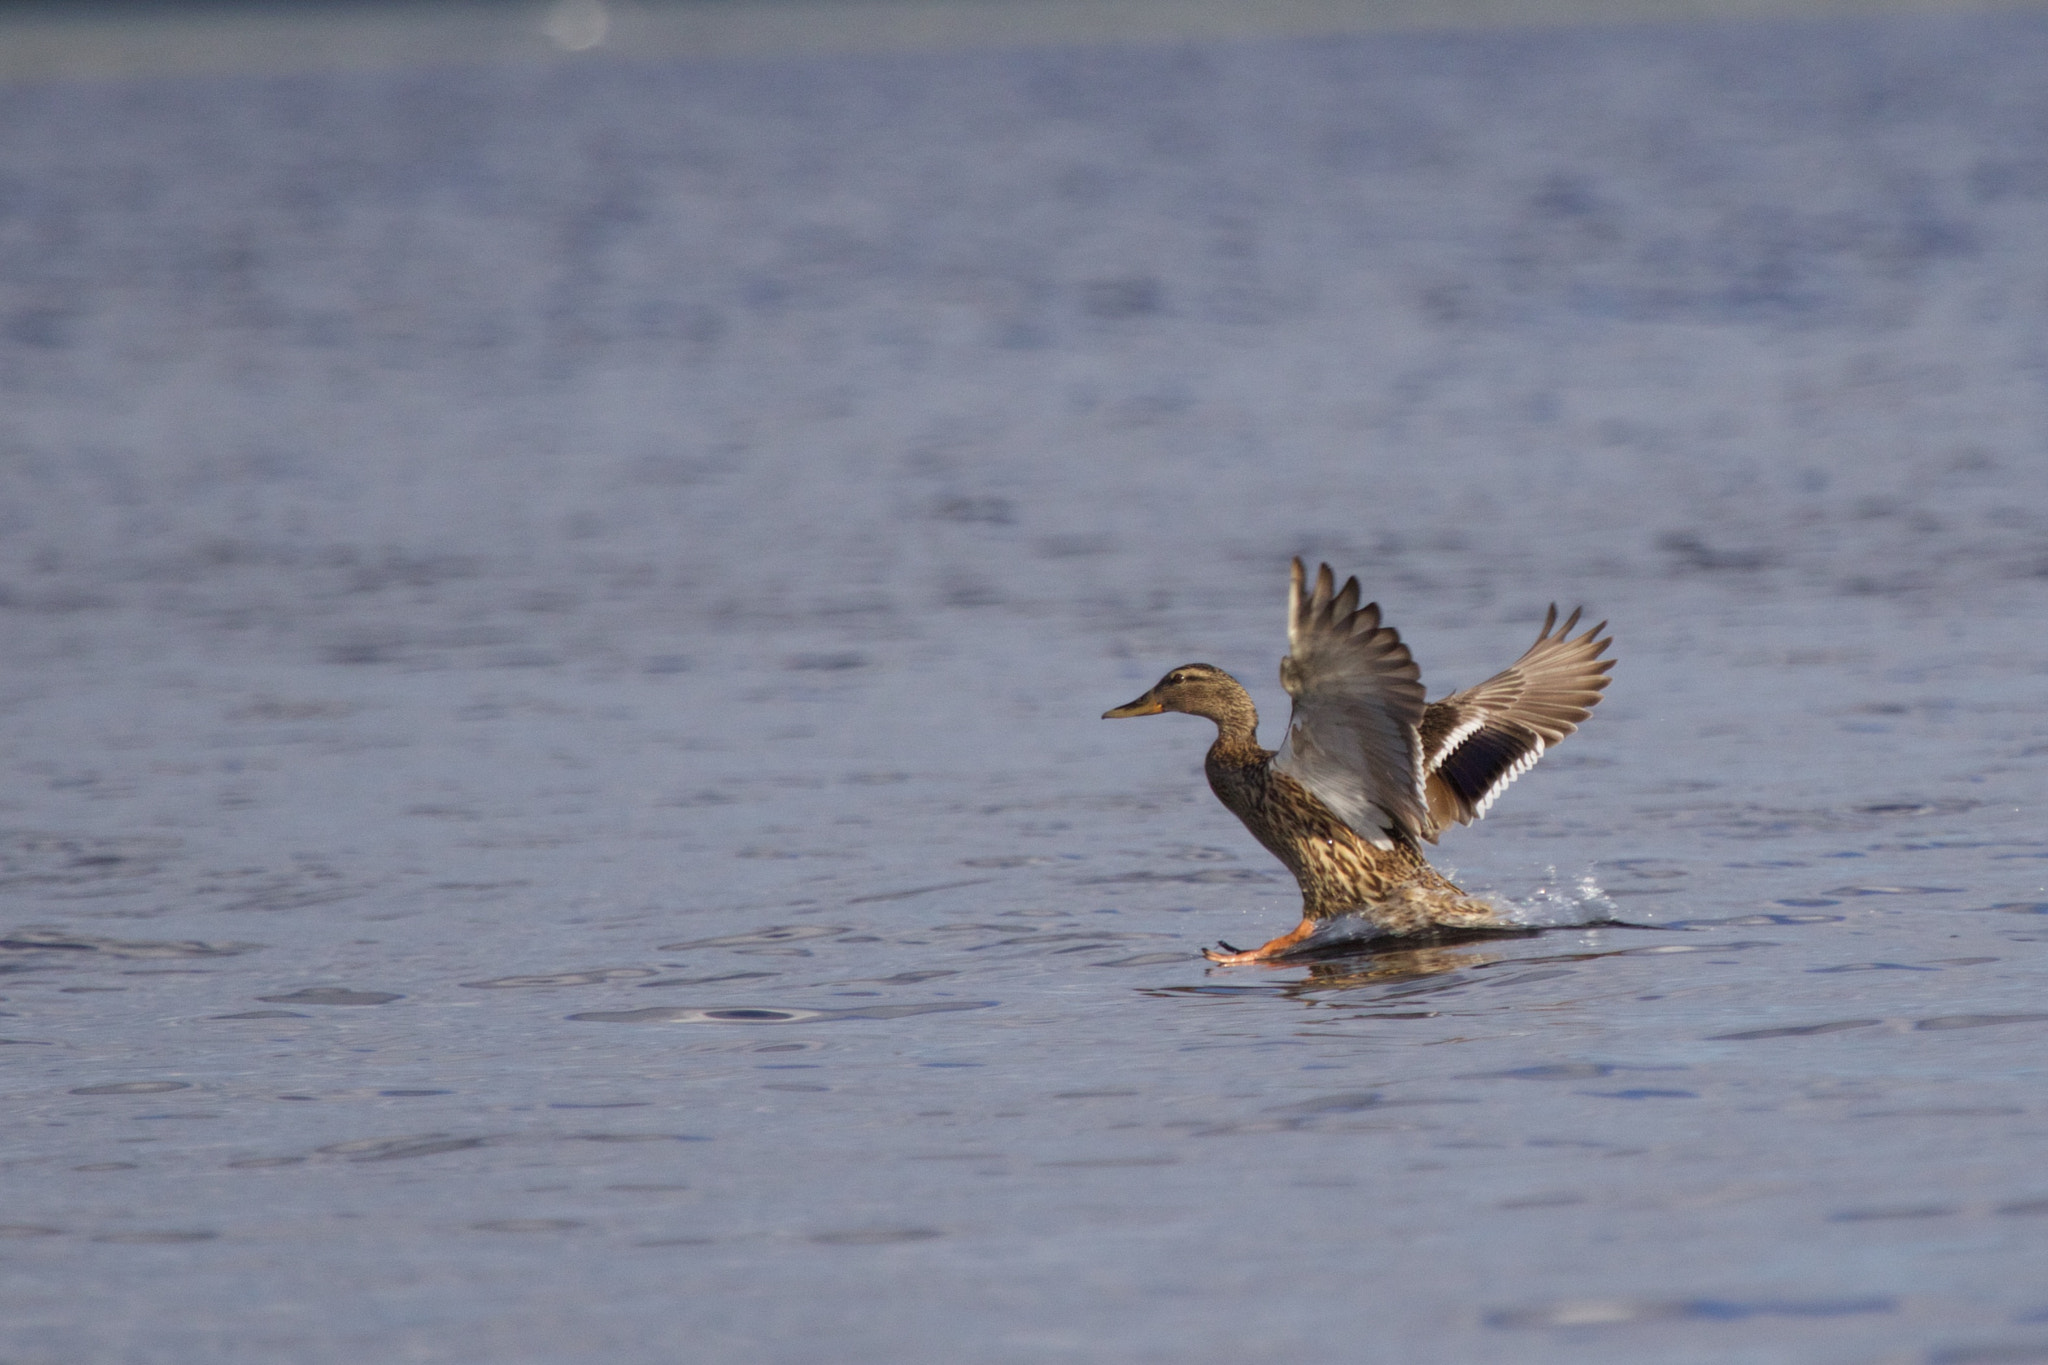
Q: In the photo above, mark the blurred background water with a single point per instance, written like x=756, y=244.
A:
x=559, y=566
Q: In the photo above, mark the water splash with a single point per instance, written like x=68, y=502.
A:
x=1558, y=902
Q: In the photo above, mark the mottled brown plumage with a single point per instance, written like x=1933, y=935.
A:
x=1368, y=769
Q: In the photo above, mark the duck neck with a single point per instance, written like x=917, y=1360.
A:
x=1237, y=726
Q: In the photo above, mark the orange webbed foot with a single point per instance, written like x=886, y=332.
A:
x=1265, y=952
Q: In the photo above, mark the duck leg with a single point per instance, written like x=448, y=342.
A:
x=1265, y=952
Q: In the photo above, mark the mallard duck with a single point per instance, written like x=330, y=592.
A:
x=1369, y=772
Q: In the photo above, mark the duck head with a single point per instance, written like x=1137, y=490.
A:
x=1197, y=689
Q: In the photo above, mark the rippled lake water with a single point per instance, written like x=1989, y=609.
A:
x=554, y=624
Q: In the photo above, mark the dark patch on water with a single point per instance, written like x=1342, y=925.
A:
x=401, y=1148
x=1556, y=1071
x=773, y=934
x=1656, y=950
x=899, y=979
x=1338, y=1104
x=874, y=1237
x=1618, y=1312
x=133, y=1088
x=331, y=995
x=1082, y=940
x=599, y=1104
x=749, y=1014
x=1528, y=978
x=593, y=977
x=1891, y=1213
x=40, y=940
x=1954, y=1021
x=64, y=863
x=1947, y=807
x=635, y=1137
x=528, y=1225
x=916, y=891
x=1793, y=1030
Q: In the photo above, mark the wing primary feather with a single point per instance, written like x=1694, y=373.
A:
x=1294, y=607
x=1353, y=738
x=1480, y=740
x=1346, y=603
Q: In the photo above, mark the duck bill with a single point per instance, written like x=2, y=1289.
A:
x=1147, y=705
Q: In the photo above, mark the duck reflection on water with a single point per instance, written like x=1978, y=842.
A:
x=1401, y=962
x=1368, y=770
x=1389, y=968
x=1382, y=966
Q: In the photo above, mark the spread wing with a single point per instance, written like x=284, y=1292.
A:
x=1475, y=742
x=1352, y=740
